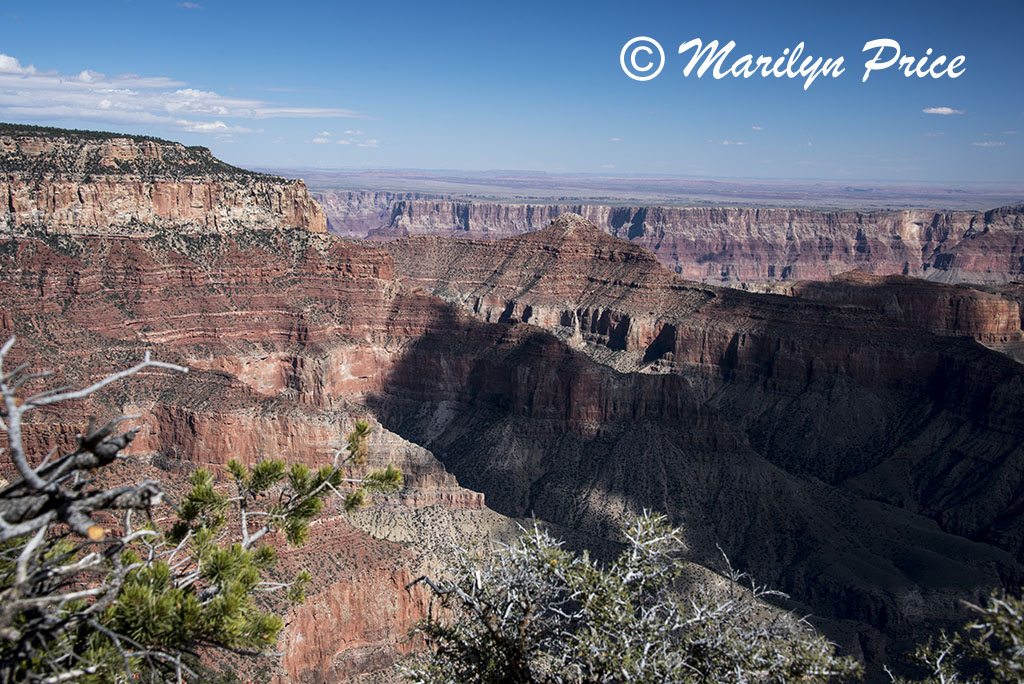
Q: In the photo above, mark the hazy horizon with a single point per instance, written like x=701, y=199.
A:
x=549, y=188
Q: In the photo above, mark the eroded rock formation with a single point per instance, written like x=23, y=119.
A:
x=852, y=442
x=355, y=213
x=834, y=450
x=283, y=331
x=84, y=182
x=865, y=465
x=735, y=245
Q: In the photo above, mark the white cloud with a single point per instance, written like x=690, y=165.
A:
x=732, y=142
x=607, y=166
x=319, y=141
x=933, y=135
x=944, y=111
x=810, y=144
x=350, y=132
x=615, y=139
x=9, y=65
x=190, y=5
x=343, y=142
x=212, y=127
x=1009, y=132
x=324, y=134
x=267, y=112
x=756, y=128
x=372, y=142
x=90, y=76
x=989, y=143
x=27, y=94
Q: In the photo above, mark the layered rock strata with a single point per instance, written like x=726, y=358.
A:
x=283, y=332
x=83, y=182
x=356, y=213
x=859, y=461
x=730, y=246
x=834, y=445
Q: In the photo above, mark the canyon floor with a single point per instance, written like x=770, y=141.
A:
x=837, y=406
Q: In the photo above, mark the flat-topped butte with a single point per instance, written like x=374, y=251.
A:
x=39, y=150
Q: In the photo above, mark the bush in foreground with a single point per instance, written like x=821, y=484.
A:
x=535, y=613
x=989, y=650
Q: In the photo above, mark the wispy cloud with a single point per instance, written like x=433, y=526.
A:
x=325, y=137
x=615, y=139
x=944, y=111
x=732, y=142
x=756, y=128
x=1009, y=132
x=989, y=143
x=931, y=134
x=213, y=127
x=190, y=5
x=30, y=94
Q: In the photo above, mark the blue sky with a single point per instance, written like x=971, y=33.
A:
x=525, y=85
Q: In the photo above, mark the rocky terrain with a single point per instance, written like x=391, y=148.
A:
x=356, y=214
x=729, y=246
x=284, y=332
x=990, y=314
x=834, y=451
x=86, y=182
x=851, y=441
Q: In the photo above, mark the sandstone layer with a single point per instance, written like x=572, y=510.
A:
x=990, y=314
x=729, y=246
x=84, y=182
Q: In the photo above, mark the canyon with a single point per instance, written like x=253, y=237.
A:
x=856, y=440
x=730, y=245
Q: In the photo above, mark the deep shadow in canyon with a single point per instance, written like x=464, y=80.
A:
x=806, y=486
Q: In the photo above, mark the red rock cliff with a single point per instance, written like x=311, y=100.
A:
x=717, y=396
x=83, y=182
x=734, y=245
x=283, y=331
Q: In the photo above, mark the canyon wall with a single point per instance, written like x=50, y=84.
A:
x=735, y=245
x=828, y=448
x=283, y=332
x=868, y=467
x=80, y=182
x=850, y=442
x=356, y=213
